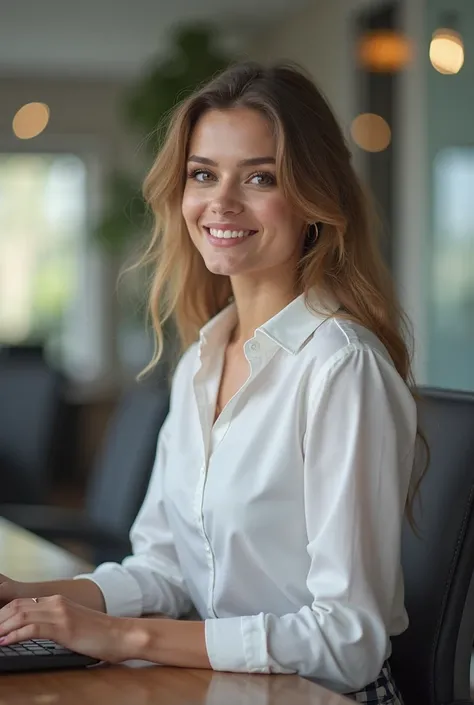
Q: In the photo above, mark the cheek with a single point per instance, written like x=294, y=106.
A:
x=275, y=211
x=192, y=206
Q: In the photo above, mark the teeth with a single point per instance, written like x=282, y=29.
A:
x=228, y=234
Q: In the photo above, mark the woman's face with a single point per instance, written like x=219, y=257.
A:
x=234, y=209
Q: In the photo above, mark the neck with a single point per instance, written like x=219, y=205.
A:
x=257, y=302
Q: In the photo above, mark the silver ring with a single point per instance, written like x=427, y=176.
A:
x=35, y=599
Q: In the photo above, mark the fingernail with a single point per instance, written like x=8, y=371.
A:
x=2, y=639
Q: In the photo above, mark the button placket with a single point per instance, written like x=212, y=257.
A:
x=255, y=354
x=203, y=388
x=198, y=507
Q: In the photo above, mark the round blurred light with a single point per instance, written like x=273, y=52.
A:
x=371, y=132
x=30, y=120
x=384, y=51
x=447, y=51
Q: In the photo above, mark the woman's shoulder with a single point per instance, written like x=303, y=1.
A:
x=341, y=337
x=348, y=358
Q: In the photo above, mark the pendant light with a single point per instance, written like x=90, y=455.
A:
x=447, y=46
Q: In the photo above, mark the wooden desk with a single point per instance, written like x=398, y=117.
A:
x=25, y=557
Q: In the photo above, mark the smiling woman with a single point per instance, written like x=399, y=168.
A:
x=307, y=173
x=284, y=467
x=237, y=218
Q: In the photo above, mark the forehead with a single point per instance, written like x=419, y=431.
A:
x=234, y=133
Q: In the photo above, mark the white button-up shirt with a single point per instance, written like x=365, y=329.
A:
x=281, y=522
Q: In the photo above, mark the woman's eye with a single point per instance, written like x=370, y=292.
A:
x=200, y=175
x=263, y=179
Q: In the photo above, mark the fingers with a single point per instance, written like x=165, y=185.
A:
x=54, y=603
x=25, y=616
x=17, y=615
x=15, y=607
x=23, y=633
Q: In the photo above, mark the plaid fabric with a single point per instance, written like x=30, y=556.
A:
x=382, y=691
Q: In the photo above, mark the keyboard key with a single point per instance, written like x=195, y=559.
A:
x=59, y=656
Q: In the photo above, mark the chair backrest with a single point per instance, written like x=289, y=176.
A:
x=431, y=659
x=121, y=474
x=31, y=400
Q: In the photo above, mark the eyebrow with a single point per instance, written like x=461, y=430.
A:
x=255, y=161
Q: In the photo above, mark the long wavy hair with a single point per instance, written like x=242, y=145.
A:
x=315, y=173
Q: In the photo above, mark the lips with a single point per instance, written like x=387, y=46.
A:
x=228, y=233
x=227, y=238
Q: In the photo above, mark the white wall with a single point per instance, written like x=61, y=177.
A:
x=318, y=38
x=86, y=109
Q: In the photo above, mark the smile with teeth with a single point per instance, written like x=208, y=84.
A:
x=230, y=234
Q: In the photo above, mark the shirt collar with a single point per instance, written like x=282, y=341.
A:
x=218, y=329
x=290, y=328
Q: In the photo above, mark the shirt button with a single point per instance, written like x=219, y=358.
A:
x=255, y=347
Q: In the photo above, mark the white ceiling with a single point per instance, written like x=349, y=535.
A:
x=115, y=37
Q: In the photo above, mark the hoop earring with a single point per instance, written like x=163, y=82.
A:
x=312, y=235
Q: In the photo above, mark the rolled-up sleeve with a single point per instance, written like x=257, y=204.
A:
x=358, y=457
x=150, y=580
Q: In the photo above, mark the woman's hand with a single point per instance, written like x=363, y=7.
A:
x=9, y=589
x=84, y=592
x=76, y=627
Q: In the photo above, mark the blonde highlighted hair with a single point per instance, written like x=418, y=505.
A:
x=315, y=173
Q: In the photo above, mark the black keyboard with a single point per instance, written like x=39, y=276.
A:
x=39, y=654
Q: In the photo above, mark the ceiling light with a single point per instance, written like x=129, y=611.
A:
x=447, y=46
x=371, y=132
x=384, y=51
x=30, y=120
x=447, y=51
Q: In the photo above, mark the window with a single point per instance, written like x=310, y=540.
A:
x=42, y=233
x=451, y=341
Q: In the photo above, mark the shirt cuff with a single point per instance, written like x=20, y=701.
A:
x=237, y=644
x=122, y=594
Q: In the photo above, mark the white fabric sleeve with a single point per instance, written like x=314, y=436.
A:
x=150, y=580
x=358, y=458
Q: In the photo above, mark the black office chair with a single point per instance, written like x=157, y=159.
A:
x=118, y=484
x=431, y=660
x=31, y=405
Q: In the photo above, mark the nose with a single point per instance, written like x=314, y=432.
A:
x=225, y=200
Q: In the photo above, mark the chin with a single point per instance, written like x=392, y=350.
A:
x=224, y=266
x=222, y=269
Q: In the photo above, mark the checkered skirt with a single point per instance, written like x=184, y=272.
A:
x=382, y=691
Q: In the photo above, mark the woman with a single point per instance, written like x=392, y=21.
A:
x=283, y=469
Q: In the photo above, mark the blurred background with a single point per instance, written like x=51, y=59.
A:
x=82, y=89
